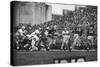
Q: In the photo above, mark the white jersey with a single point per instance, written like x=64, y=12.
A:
x=65, y=32
x=37, y=31
x=46, y=33
x=33, y=33
x=66, y=35
x=36, y=37
x=21, y=32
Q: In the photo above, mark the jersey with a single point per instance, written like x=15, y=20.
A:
x=78, y=31
x=36, y=32
x=90, y=32
x=51, y=33
x=21, y=32
x=65, y=32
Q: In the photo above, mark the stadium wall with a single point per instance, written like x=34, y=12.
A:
x=30, y=12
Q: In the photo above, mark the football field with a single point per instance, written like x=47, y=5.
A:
x=49, y=57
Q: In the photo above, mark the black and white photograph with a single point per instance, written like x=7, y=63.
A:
x=52, y=33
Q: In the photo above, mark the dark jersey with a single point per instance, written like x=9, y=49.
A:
x=43, y=37
x=78, y=31
x=42, y=33
x=90, y=32
x=52, y=32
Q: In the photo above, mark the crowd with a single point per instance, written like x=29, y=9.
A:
x=77, y=30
